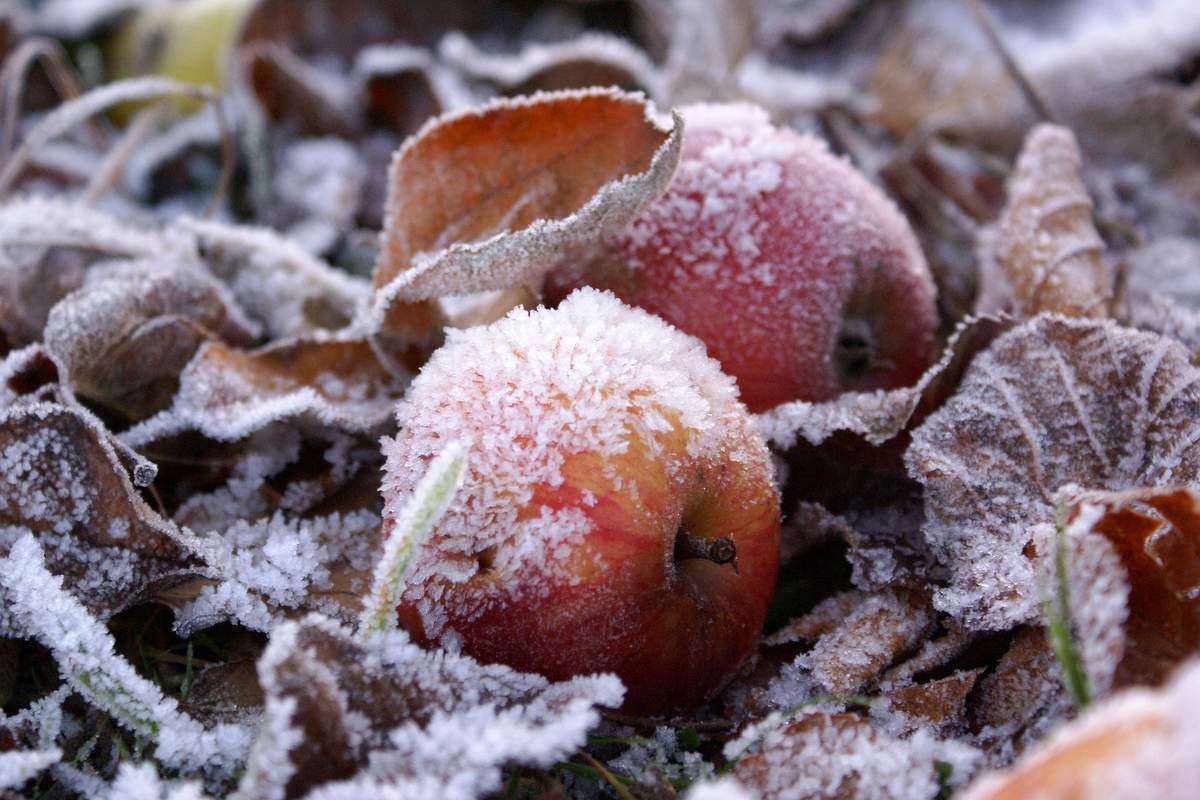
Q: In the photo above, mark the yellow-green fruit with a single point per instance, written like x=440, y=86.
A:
x=189, y=41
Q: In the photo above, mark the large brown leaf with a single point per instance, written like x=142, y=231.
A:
x=1051, y=403
x=494, y=197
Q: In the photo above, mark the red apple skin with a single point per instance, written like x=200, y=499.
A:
x=675, y=631
x=781, y=257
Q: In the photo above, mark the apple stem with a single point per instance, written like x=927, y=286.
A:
x=721, y=550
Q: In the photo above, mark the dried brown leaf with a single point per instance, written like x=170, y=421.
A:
x=589, y=60
x=1139, y=744
x=1053, y=402
x=532, y=178
x=940, y=704
x=1021, y=699
x=385, y=711
x=123, y=338
x=1048, y=248
x=1157, y=536
x=869, y=639
x=63, y=480
x=881, y=415
x=312, y=101
x=324, y=382
x=839, y=756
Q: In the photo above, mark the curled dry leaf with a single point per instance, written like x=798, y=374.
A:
x=346, y=718
x=124, y=337
x=63, y=481
x=46, y=247
x=1156, y=534
x=825, y=756
x=940, y=704
x=1048, y=248
x=1021, y=698
x=1139, y=744
x=880, y=415
x=279, y=284
x=325, y=382
x=494, y=197
x=1053, y=402
x=871, y=637
x=589, y=60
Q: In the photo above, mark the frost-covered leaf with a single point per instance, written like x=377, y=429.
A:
x=1051, y=403
x=1136, y=745
x=324, y=382
x=19, y=766
x=318, y=187
x=403, y=86
x=345, y=719
x=46, y=246
x=590, y=60
x=1161, y=292
x=880, y=415
x=85, y=653
x=1101, y=73
x=142, y=782
x=279, y=284
x=858, y=636
x=494, y=197
x=124, y=336
x=1156, y=534
x=313, y=101
x=940, y=704
x=1021, y=698
x=62, y=479
x=825, y=755
x=1048, y=248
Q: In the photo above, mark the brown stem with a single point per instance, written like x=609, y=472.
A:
x=719, y=551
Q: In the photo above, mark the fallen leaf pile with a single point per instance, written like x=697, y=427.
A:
x=211, y=300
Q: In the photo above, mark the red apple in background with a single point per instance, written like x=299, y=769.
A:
x=619, y=513
x=800, y=276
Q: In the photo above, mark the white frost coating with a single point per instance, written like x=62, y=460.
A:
x=85, y=653
x=218, y=400
x=724, y=788
x=1051, y=403
x=19, y=766
x=49, y=222
x=278, y=282
x=512, y=259
x=142, y=782
x=592, y=376
x=510, y=71
x=820, y=755
x=1142, y=744
x=467, y=720
x=413, y=522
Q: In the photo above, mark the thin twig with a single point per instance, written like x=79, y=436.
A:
x=984, y=19
x=619, y=788
x=116, y=159
x=14, y=76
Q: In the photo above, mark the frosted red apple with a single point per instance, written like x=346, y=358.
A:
x=612, y=476
x=800, y=276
